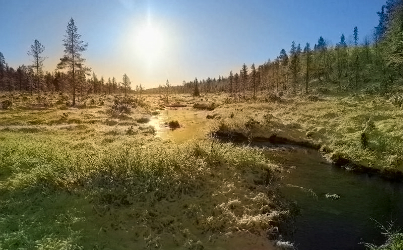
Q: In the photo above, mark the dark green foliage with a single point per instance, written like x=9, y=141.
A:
x=364, y=140
x=355, y=34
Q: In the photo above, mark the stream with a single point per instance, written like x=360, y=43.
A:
x=347, y=222
x=351, y=216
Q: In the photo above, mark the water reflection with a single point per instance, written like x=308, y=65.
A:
x=344, y=223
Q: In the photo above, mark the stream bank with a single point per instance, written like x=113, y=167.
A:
x=337, y=209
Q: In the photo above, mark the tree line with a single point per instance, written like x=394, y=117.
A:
x=374, y=63
x=71, y=75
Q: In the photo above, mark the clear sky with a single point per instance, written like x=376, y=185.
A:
x=155, y=40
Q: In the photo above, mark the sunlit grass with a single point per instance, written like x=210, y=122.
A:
x=58, y=192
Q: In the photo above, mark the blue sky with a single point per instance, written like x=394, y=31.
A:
x=155, y=40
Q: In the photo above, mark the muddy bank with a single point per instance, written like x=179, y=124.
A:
x=337, y=160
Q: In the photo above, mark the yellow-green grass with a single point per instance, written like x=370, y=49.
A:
x=336, y=123
x=69, y=189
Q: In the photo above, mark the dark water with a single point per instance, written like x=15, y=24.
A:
x=336, y=224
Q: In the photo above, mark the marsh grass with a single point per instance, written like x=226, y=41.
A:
x=394, y=238
x=132, y=193
x=334, y=122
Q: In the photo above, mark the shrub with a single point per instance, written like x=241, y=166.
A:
x=205, y=106
x=143, y=120
x=121, y=108
x=273, y=98
x=313, y=98
x=6, y=104
x=130, y=131
x=173, y=125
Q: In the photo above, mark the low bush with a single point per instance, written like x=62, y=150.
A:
x=6, y=104
x=143, y=120
x=205, y=106
x=173, y=125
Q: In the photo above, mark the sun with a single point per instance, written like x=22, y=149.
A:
x=149, y=42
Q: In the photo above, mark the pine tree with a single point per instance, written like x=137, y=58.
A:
x=236, y=82
x=308, y=53
x=321, y=62
x=109, y=86
x=115, y=85
x=253, y=79
x=101, y=84
x=36, y=50
x=294, y=64
x=126, y=83
x=283, y=66
x=167, y=88
x=2, y=70
x=244, y=78
x=380, y=30
x=72, y=58
x=355, y=35
x=196, y=91
x=341, y=59
x=231, y=81
x=94, y=83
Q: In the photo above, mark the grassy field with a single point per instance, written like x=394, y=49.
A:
x=130, y=173
x=95, y=177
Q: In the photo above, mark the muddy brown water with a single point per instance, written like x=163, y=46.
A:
x=365, y=202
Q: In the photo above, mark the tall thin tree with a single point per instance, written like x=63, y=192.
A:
x=231, y=82
x=253, y=79
x=126, y=83
x=244, y=78
x=37, y=62
x=308, y=53
x=72, y=59
x=355, y=35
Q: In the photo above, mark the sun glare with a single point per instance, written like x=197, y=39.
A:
x=149, y=42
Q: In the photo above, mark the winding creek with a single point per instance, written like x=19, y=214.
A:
x=344, y=223
x=337, y=209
